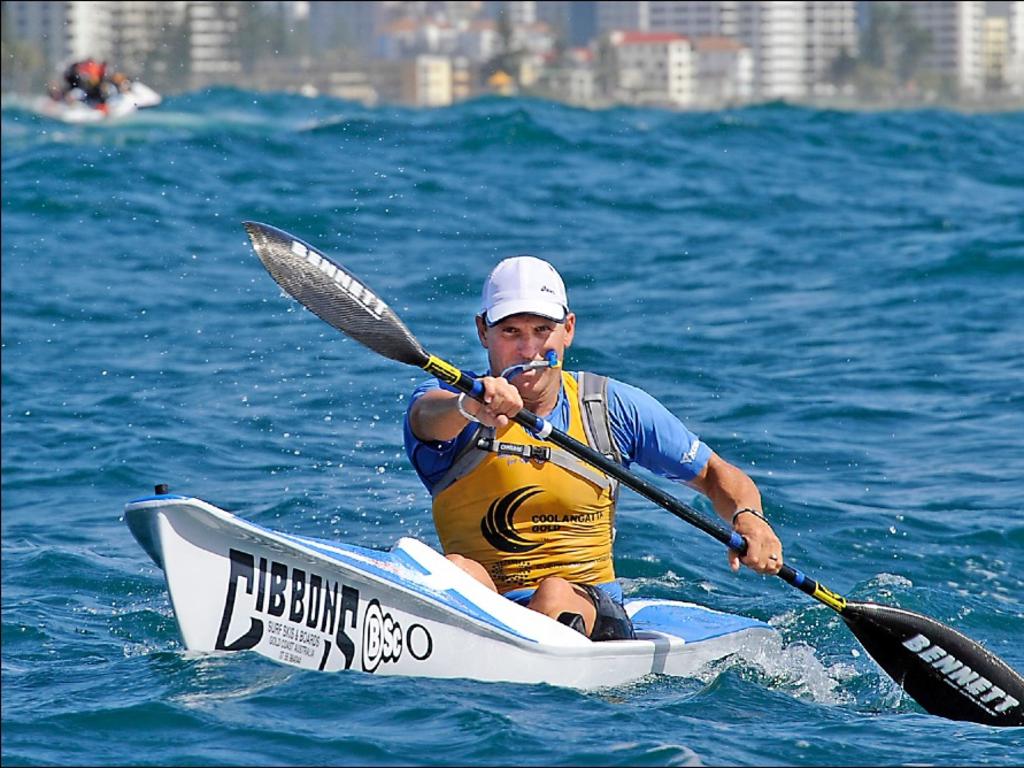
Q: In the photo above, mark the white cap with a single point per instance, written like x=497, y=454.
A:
x=524, y=284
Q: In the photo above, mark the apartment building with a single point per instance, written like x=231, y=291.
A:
x=792, y=43
x=615, y=14
x=64, y=31
x=519, y=11
x=407, y=37
x=213, y=42
x=571, y=77
x=795, y=43
x=479, y=39
x=463, y=81
x=697, y=18
x=652, y=68
x=778, y=37
x=831, y=31
x=425, y=80
x=136, y=28
x=724, y=71
x=995, y=47
x=1015, y=46
x=956, y=29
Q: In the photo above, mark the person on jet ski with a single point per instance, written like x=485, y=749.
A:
x=86, y=81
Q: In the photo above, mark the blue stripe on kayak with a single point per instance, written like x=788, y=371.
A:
x=373, y=554
x=161, y=497
x=691, y=623
x=450, y=597
x=467, y=606
x=408, y=560
x=378, y=567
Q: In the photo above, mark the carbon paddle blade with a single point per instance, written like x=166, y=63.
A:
x=334, y=294
x=945, y=672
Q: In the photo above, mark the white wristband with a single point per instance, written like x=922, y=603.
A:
x=465, y=415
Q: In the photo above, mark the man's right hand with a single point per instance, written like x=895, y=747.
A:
x=501, y=401
x=435, y=416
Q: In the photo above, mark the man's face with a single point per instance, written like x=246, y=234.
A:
x=522, y=339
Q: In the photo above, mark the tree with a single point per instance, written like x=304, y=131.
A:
x=505, y=31
x=915, y=45
x=843, y=68
x=892, y=45
x=508, y=59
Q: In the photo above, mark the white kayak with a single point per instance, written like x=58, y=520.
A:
x=139, y=96
x=322, y=605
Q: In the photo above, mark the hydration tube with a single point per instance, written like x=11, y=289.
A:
x=550, y=361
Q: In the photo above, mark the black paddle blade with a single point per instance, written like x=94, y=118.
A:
x=945, y=672
x=334, y=294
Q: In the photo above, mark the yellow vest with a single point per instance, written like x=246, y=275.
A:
x=525, y=509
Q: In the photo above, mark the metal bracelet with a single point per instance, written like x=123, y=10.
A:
x=752, y=511
x=467, y=416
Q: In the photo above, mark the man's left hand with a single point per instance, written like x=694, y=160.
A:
x=764, y=550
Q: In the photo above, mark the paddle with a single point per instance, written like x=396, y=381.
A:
x=947, y=673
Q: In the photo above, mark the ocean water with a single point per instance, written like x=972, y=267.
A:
x=834, y=301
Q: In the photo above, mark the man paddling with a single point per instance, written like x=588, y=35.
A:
x=526, y=518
